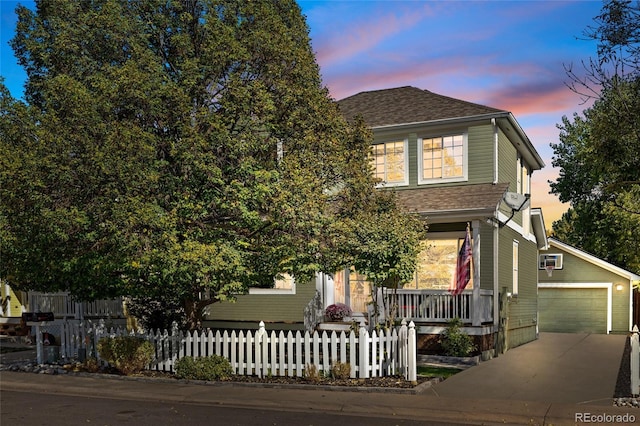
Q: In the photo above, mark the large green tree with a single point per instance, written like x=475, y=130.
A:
x=599, y=151
x=178, y=147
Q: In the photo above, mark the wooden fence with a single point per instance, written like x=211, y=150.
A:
x=262, y=353
x=63, y=306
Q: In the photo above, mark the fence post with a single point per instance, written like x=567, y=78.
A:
x=259, y=342
x=100, y=331
x=635, y=361
x=175, y=345
x=412, y=373
x=363, y=362
x=64, y=339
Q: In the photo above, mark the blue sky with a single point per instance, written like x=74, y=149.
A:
x=505, y=54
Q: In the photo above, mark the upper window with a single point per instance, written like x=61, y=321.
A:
x=442, y=158
x=390, y=162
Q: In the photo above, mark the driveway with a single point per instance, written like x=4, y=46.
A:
x=556, y=368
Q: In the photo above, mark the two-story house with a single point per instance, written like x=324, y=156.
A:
x=455, y=163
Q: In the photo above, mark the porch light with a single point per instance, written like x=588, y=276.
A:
x=619, y=287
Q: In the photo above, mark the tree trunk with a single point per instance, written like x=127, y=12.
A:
x=194, y=312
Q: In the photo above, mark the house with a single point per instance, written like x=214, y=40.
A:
x=578, y=292
x=462, y=166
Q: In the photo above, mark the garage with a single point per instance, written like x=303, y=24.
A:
x=573, y=308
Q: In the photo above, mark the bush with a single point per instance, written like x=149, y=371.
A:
x=311, y=373
x=337, y=312
x=214, y=367
x=454, y=341
x=341, y=370
x=91, y=365
x=128, y=354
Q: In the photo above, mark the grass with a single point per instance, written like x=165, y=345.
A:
x=443, y=372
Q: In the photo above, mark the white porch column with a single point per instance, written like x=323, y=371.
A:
x=329, y=294
x=477, y=311
x=7, y=292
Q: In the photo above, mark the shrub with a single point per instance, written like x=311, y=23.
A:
x=91, y=365
x=337, y=312
x=341, y=370
x=128, y=354
x=214, y=367
x=454, y=341
x=311, y=373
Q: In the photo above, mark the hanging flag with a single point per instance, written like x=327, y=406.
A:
x=463, y=265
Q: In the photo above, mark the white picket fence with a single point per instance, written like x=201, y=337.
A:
x=263, y=353
x=635, y=361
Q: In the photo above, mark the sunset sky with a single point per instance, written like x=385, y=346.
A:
x=505, y=54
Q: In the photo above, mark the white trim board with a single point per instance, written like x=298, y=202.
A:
x=607, y=286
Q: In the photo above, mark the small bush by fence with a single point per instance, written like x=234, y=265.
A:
x=263, y=353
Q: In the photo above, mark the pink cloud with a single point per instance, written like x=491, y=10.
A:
x=355, y=36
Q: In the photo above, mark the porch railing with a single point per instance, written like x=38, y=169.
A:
x=440, y=305
x=63, y=306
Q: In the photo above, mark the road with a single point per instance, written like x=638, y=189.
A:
x=33, y=408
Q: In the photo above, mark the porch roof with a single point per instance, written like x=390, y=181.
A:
x=463, y=200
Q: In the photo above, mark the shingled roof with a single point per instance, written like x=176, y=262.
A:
x=404, y=105
x=479, y=198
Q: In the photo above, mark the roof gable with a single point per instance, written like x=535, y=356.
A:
x=406, y=105
x=593, y=259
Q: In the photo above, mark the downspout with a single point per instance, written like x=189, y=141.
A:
x=496, y=281
x=495, y=151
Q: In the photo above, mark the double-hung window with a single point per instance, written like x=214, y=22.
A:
x=389, y=161
x=442, y=158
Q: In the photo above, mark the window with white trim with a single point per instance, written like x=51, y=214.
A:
x=389, y=161
x=442, y=158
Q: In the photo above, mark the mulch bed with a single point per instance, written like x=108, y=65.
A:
x=378, y=382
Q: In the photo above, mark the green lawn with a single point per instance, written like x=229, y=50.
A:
x=443, y=372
